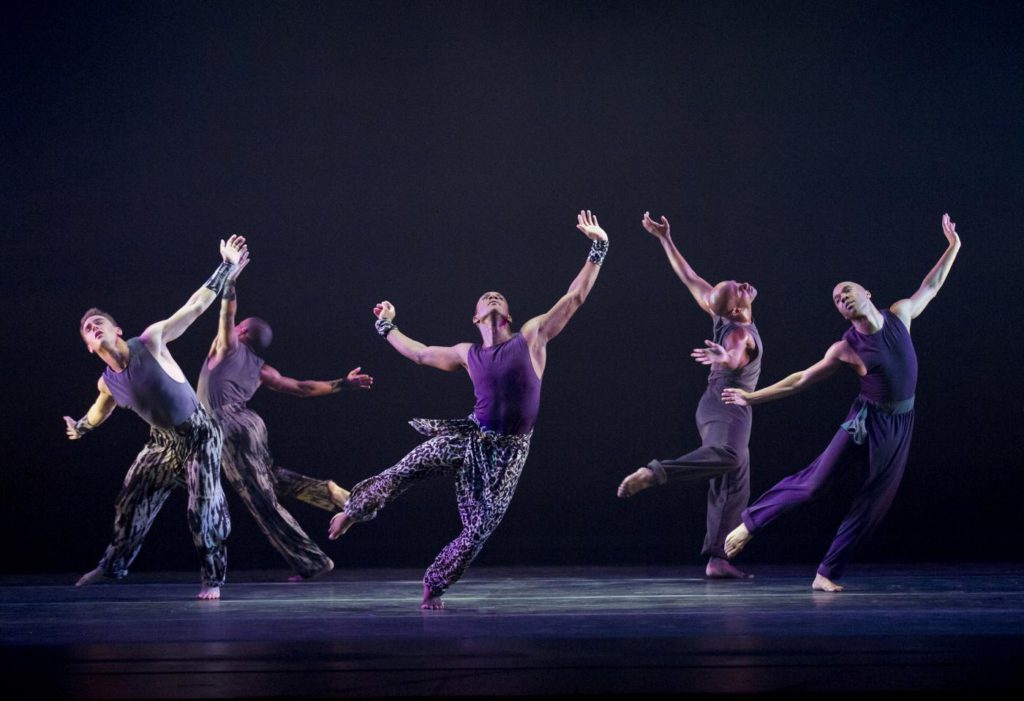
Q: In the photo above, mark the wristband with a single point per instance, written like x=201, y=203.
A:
x=598, y=250
x=384, y=326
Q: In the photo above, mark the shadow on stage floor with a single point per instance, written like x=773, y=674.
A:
x=518, y=631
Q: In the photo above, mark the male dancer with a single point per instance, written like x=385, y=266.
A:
x=723, y=458
x=184, y=443
x=876, y=434
x=231, y=374
x=487, y=451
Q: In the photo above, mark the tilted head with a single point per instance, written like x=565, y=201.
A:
x=732, y=299
x=255, y=333
x=492, y=304
x=852, y=300
x=96, y=328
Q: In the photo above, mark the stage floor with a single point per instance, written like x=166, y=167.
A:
x=518, y=631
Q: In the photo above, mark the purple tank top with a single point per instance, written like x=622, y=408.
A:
x=890, y=358
x=147, y=389
x=506, y=386
x=233, y=381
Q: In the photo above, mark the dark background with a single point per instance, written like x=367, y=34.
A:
x=427, y=152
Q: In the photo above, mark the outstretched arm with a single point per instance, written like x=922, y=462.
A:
x=797, y=382
x=273, y=379
x=233, y=254
x=100, y=410
x=911, y=308
x=698, y=286
x=441, y=357
x=541, y=329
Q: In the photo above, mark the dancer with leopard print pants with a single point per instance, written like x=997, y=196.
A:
x=184, y=445
x=485, y=452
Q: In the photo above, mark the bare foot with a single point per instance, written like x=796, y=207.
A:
x=719, y=568
x=90, y=577
x=636, y=482
x=825, y=584
x=737, y=540
x=340, y=523
x=431, y=603
x=338, y=495
x=323, y=570
x=209, y=593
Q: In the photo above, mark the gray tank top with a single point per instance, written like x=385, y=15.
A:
x=233, y=381
x=746, y=376
x=146, y=388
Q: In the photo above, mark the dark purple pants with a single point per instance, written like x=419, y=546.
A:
x=723, y=459
x=882, y=458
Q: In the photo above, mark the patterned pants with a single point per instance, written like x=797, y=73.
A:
x=486, y=467
x=187, y=456
x=248, y=467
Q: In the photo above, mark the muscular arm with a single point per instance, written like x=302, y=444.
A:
x=273, y=379
x=99, y=412
x=698, y=286
x=447, y=358
x=227, y=339
x=911, y=308
x=733, y=354
x=234, y=255
x=797, y=382
x=541, y=329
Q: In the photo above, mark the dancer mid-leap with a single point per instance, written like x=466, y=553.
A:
x=486, y=452
x=723, y=458
x=231, y=374
x=184, y=446
x=875, y=437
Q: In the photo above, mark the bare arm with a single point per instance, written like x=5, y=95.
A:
x=99, y=412
x=733, y=354
x=441, y=357
x=234, y=254
x=698, y=286
x=273, y=379
x=227, y=339
x=911, y=308
x=797, y=382
x=541, y=329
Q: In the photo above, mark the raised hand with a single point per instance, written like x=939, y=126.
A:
x=587, y=223
x=231, y=250
x=356, y=380
x=735, y=395
x=71, y=429
x=657, y=229
x=384, y=310
x=714, y=353
x=949, y=229
x=243, y=260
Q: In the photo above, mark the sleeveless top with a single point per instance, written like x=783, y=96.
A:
x=146, y=388
x=745, y=377
x=233, y=381
x=890, y=358
x=506, y=386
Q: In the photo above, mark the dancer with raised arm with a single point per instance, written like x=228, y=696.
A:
x=231, y=374
x=485, y=452
x=184, y=447
x=876, y=434
x=734, y=354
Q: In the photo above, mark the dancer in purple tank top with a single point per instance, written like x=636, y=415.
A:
x=485, y=452
x=723, y=459
x=876, y=434
x=231, y=374
x=184, y=446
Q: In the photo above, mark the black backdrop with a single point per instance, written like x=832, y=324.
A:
x=426, y=152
